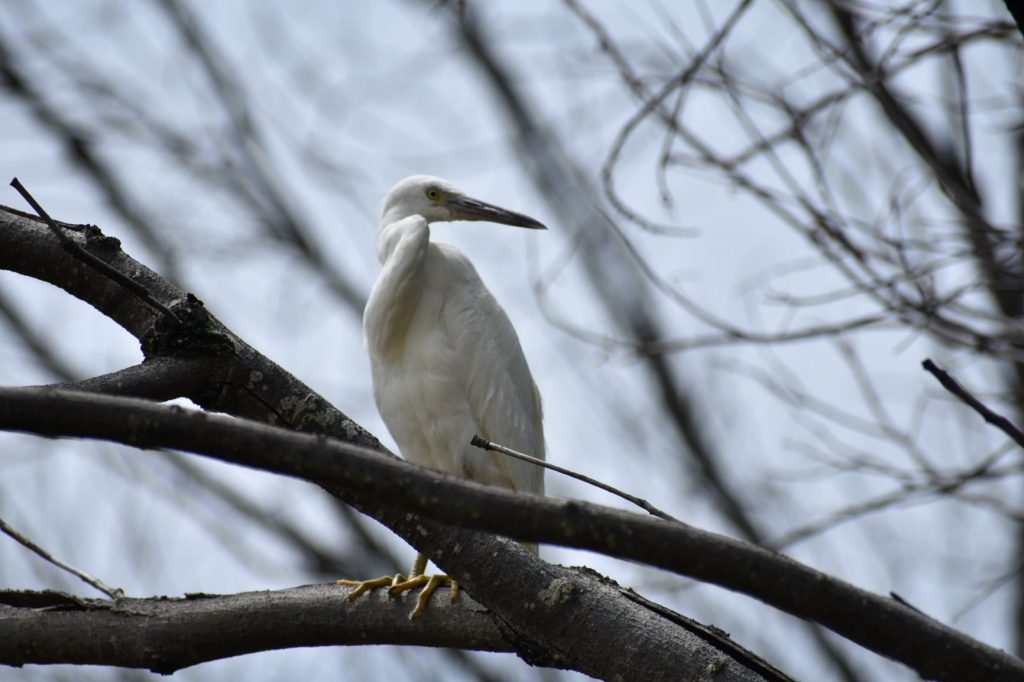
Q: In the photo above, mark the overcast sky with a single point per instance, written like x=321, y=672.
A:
x=346, y=99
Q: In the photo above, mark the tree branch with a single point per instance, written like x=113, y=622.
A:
x=165, y=634
x=158, y=379
x=112, y=592
x=953, y=386
x=486, y=445
x=247, y=385
x=92, y=261
x=375, y=483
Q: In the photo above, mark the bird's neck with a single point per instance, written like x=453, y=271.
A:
x=393, y=232
x=402, y=248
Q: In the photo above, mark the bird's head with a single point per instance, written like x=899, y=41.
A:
x=438, y=200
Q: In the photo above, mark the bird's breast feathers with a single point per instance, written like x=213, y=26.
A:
x=455, y=372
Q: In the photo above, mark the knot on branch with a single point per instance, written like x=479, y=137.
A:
x=97, y=241
x=198, y=335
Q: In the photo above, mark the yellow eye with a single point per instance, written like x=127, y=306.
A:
x=433, y=193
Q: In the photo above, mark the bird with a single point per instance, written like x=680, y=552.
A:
x=445, y=360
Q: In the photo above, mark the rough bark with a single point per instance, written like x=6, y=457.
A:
x=549, y=604
x=166, y=634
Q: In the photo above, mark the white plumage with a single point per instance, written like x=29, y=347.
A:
x=446, y=361
x=445, y=358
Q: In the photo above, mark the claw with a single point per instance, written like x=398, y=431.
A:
x=397, y=584
x=364, y=586
x=430, y=584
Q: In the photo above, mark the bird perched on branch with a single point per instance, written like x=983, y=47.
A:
x=446, y=361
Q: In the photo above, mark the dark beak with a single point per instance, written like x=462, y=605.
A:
x=465, y=208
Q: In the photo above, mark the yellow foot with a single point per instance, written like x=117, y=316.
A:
x=363, y=586
x=398, y=584
x=430, y=584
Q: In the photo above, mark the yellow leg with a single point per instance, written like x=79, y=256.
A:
x=398, y=584
x=419, y=567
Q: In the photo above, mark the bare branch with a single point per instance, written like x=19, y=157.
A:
x=643, y=504
x=92, y=261
x=954, y=387
x=112, y=592
x=158, y=378
x=166, y=634
x=371, y=480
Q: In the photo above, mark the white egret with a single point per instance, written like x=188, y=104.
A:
x=445, y=359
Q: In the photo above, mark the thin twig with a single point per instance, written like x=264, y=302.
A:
x=643, y=504
x=954, y=387
x=92, y=261
x=112, y=592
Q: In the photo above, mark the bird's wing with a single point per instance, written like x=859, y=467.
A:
x=499, y=389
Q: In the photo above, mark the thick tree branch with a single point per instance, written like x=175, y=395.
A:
x=372, y=481
x=165, y=634
x=247, y=385
x=159, y=379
